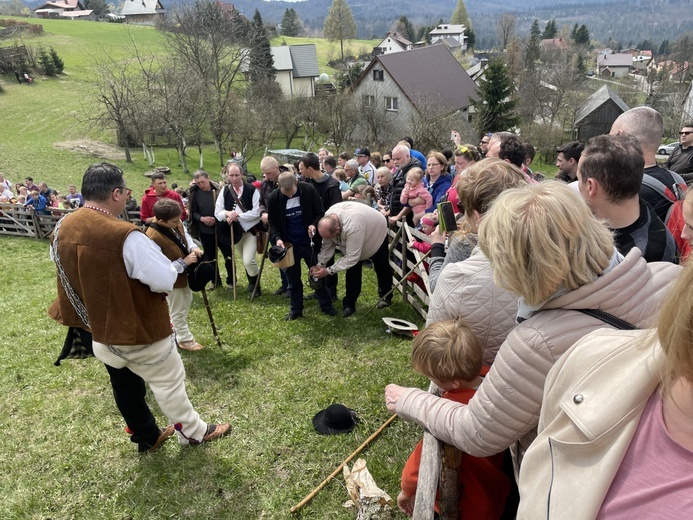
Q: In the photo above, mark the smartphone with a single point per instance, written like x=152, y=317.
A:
x=446, y=217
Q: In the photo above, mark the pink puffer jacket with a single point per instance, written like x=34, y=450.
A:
x=505, y=409
x=465, y=290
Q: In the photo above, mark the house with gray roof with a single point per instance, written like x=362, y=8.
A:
x=142, y=12
x=448, y=30
x=297, y=69
x=598, y=114
x=393, y=42
x=403, y=85
x=615, y=65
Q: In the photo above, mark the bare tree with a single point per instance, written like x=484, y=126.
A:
x=211, y=44
x=505, y=29
x=339, y=118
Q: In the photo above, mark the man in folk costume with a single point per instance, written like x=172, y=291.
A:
x=168, y=232
x=238, y=212
x=112, y=281
x=202, y=223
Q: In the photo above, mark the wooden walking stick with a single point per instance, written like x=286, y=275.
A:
x=262, y=266
x=211, y=318
x=358, y=450
x=233, y=263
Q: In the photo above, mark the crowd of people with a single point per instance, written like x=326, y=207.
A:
x=559, y=328
x=39, y=197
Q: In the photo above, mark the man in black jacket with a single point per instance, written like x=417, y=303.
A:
x=681, y=159
x=270, y=172
x=201, y=222
x=330, y=194
x=293, y=213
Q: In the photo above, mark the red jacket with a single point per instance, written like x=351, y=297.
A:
x=150, y=198
x=484, y=487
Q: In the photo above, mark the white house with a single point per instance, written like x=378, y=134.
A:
x=687, y=115
x=143, y=12
x=297, y=69
x=615, y=65
x=393, y=42
x=447, y=30
x=402, y=85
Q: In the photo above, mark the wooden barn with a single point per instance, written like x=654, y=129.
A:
x=598, y=114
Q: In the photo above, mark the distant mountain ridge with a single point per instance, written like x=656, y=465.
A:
x=623, y=20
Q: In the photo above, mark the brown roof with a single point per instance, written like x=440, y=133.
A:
x=399, y=38
x=428, y=74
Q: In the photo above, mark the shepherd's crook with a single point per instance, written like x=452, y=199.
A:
x=310, y=496
x=211, y=318
x=233, y=263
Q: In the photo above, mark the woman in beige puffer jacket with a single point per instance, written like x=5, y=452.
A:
x=544, y=244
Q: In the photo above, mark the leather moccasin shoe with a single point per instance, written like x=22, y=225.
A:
x=191, y=346
x=216, y=431
x=163, y=437
x=348, y=311
x=293, y=316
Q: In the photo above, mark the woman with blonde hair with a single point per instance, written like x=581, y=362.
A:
x=545, y=246
x=616, y=422
x=476, y=190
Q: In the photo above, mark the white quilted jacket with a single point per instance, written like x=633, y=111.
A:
x=505, y=409
x=465, y=290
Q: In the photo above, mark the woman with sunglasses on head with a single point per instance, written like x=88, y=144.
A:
x=465, y=156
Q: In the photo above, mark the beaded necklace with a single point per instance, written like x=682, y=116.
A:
x=99, y=209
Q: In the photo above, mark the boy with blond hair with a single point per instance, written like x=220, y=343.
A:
x=449, y=354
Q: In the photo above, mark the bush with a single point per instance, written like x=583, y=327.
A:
x=46, y=63
x=57, y=61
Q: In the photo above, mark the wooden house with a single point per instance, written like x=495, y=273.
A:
x=598, y=114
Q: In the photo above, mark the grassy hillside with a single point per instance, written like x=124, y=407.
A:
x=65, y=453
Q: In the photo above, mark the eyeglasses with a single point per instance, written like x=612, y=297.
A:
x=485, y=142
x=123, y=188
x=387, y=160
x=685, y=133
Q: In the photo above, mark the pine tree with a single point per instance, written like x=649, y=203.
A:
x=582, y=35
x=405, y=28
x=291, y=23
x=339, y=24
x=460, y=16
x=550, y=31
x=495, y=109
x=664, y=48
x=471, y=39
x=573, y=33
x=57, y=61
x=262, y=76
x=46, y=63
x=532, y=52
x=580, y=65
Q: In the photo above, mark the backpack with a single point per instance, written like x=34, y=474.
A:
x=674, y=217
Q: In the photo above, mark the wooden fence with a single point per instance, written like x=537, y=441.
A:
x=406, y=261
x=17, y=220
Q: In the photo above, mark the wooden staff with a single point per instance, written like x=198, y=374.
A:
x=233, y=263
x=211, y=318
x=310, y=496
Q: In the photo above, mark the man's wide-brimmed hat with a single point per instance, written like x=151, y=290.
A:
x=200, y=274
x=335, y=419
x=281, y=257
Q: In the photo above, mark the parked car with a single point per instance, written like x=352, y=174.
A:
x=666, y=149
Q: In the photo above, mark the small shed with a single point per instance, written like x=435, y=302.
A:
x=598, y=114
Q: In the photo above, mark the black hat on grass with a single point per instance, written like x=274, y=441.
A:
x=335, y=419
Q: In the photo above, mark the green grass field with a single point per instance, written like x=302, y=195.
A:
x=65, y=454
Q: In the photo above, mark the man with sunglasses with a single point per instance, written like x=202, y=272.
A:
x=681, y=159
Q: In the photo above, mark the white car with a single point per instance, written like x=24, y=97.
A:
x=666, y=149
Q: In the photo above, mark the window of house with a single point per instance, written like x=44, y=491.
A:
x=368, y=101
x=378, y=75
x=391, y=103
